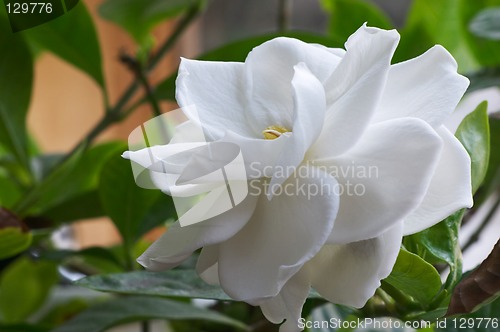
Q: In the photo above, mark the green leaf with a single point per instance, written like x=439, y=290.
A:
x=173, y=283
x=100, y=253
x=346, y=16
x=486, y=24
x=436, y=22
x=76, y=176
x=139, y=17
x=446, y=22
x=102, y=316
x=178, y=283
x=474, y=134
x=84, y=206
x=13, y=241
x=439, y=244
x=23, y=328
x=9, y=192
x=415, y=277
x=73, y=38
x=16, y=75
x=238, y=51
x=24, y=287
x=133, y=210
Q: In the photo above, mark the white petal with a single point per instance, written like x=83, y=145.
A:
x=427, y=87
x=270, y=70
x=281, y=236
x=349, y=274
x=308, y=115
x=287, y=305
x=216, y=89
x=179, y=242
x=260, y=155
x=384, y=177
x=450, y=188
x=207, y=266
x=354, y=89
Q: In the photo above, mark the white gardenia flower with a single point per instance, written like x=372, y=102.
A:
x=298, y=106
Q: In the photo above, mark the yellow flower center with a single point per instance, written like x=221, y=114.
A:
x=273, y=132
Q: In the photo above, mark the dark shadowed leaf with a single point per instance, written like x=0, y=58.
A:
x=76, y=176
x=16, y=74
x=134, y=210
x=137, y=308
x=83, y=206
x=73, y=38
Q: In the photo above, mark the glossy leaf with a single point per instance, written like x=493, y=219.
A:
x=346, y=16
x=91, y=252
x=24, y=287
x=173, y=283
x=73, y=38
x=486, y=24
x=415, y=277
x=479, y=287
x=492, y=179
x=122, y=310
x=474, y=134
x=439, y=244
x=238, y=51
x=139, y=17
x=178, y=283
x=16, y=74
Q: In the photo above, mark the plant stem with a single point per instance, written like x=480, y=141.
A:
x=284, y=15
x=403, y=303
x=145, y=326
